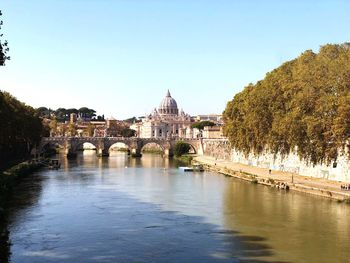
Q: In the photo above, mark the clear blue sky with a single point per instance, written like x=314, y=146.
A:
x=120, y=56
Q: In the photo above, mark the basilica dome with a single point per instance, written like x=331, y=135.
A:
x=168, y=106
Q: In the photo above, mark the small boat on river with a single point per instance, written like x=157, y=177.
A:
x=194, y=168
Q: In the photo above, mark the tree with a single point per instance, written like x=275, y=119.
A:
x=181, y=148
x=200, y=125
x=61, y=114
x=71, y=110
x=301, y=106
x=126, y=132
x=87, y=113
x=43, y=112
x=4, y=49
x=20, y=131
x=132, y=120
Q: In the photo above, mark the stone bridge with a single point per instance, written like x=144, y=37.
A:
x=71, y=145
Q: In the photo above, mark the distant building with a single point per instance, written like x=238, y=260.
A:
x=165, y=122
x=109, y=128
x=73, y=117
x=214, y=132
x=216, y=118
x=114, y=127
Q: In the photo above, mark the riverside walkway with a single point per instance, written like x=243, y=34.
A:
x=306, y=184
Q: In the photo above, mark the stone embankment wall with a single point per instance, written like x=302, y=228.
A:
x=218, y=148
x=338, y=171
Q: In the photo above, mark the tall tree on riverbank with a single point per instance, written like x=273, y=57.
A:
x=303, y=105
x=4, y=49
x=20, y=129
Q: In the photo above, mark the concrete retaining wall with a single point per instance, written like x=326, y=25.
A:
x=338, y=171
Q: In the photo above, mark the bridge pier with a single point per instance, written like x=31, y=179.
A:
x=168, y=153
x=70, y=153
x=102, y=152
x=135, y=152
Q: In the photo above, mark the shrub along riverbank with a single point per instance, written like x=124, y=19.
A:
x=185, y=159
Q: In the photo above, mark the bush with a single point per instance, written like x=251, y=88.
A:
x=128, y=133
x=185, y=159
x=181, y=148
x=200, y=125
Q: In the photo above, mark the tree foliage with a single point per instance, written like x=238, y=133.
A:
x=201, y=124
x=63, y=115
x=132, y=120
x=302, y=106
x=4, y=49
x=126, y=132
x=181, y=148
x=20, y=129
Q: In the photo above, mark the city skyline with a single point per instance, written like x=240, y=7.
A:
x=120, y=57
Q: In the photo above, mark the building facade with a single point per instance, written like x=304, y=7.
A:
x=165, y=122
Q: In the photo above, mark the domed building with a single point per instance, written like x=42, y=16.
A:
x=165, y=122
x=168, y=106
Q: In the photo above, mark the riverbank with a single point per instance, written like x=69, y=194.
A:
x=185, y=159
x=11, y=177
x=283, y=180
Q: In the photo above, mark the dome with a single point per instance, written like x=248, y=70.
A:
x=168, y=106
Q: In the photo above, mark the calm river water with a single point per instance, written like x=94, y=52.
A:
x=118, y=209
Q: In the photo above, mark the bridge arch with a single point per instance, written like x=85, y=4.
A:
x=119, y=146
x=49, y=146
x=113, y=141
x=194, y=147
x=78, y=146
x=88, y=146
x=152, y=147
x=103, y=144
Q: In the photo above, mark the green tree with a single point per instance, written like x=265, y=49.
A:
x=87, y=113
x=126, y=132
x=200, y=125
x=20, y=131
x=71, y=110
x=43, y=112
x=4, y=49
x=301, y=106
x=132, y=120
x=181, y=148
x=61, y=115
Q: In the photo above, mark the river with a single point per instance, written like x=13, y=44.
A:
x=120, y=209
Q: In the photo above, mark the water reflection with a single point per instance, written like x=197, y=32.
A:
x=120, y=209
x=25, y=195
x=299, y=227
